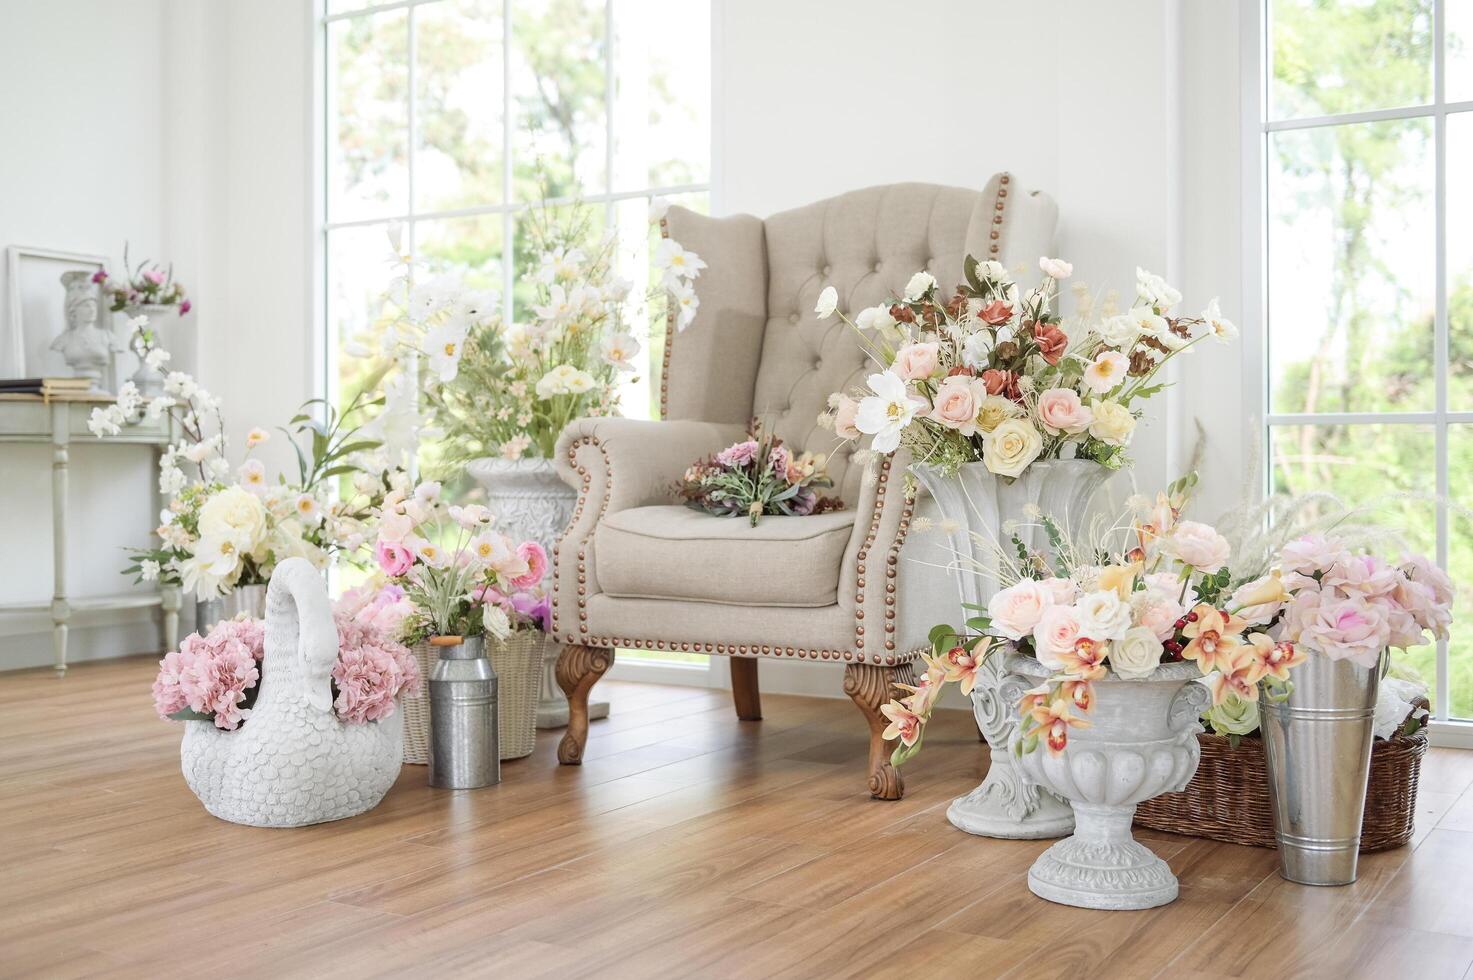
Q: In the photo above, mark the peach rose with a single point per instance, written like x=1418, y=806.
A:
x=1016, y=610
x=1060, y=410
x=915, y=362
x=1000, y=382
x=996, y=313
x=844, y=415
x=956, y=404
x=1051, y=341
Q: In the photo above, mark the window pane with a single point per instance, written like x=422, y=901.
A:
x=458, y=104
x=662, y=96
x=1387, y=469
x=1458, y=83
x=559, y=97
x=1351, y=268
x=368, y=116
x=1460, y=566
x=342, y=6
x=1339, y=57
x=468, y=248
x=1460, y=260
x=360, y=263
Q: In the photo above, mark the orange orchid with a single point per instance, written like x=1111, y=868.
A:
x=1086, y=661
x=1272, y=659
x=1081, y=693
x=1055, y=720
x=1214, y=635
x=1033, y=698
x=962, y=665
x=924, y=694
x=904, y=723
x=1236, y=674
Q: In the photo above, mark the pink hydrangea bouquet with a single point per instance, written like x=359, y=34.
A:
x=217, y=676
x=988, y=374
x=757, y=476
x=459, y=576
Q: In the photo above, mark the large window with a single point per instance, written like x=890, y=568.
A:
x=445, y=120
x=1366, y=142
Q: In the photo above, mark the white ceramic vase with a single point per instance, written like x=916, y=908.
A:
x=170, y=333
x=532, y=503
x=1141, y=742
x=981, y=507
x=292, y=762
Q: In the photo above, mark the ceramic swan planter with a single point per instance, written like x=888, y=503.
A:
x=293, y=763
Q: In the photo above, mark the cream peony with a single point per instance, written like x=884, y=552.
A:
x=1102, y=615
x=234, y=515
x=1016, y=610
x=1199, y=545
x=1010, y=448
x=1136, y=654
x=1112, y=423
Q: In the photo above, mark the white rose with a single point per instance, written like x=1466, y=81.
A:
x=234, y=515
x=920, y=284
x=1055, y=268
x=1118, y=331
x=495, y=621
x=1113, y=424
x=1136, y=654
x=1102, y=615
x=828, y=301
x=1016, y=610
x=1010, y=448
x=1155, y=290
x=1199, y=545
x=875, y=318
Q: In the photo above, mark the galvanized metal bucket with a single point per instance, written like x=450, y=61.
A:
x=248, y=599
x=464, y=747
x=1318, y=743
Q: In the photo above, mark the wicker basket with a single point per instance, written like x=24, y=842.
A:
x=518, y=666
x=1227, y=799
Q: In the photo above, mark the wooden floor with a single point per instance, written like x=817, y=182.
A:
x=688, y=844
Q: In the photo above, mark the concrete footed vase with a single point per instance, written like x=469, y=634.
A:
x=1141, y=742
x=532, y=503
x=982, y=511
x=292, y=762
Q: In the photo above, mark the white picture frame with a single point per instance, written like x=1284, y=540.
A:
x=36, y=310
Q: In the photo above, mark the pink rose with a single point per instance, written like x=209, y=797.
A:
x=844, y=416
x=1420, y=569
x=996, y=313
x=1064, y=590
x=531, y=552
x=1309, y=554
x=1055, y=636
x=1016, y=610
x=1365, y=575
x=393, y=557
x=956, y=403
x=1060, y=410
x=1419, y=601
x=1199, y=545
x=1342, y=628
x=915, y=362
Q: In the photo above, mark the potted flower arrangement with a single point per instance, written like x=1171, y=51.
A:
x=465, y=583
x=154, y=302
x=291, y=721
x=757, y=476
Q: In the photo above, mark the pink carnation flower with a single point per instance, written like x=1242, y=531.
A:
x=738, y=455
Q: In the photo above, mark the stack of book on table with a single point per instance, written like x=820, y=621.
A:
x=53, y=389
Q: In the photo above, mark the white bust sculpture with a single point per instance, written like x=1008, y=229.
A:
x=84, y=345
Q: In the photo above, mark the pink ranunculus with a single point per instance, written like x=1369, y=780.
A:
x=956, y=404
x=1016, y=610
x=1060, y=410
x=393, y=557
x=1310, y=554
x=1055, y=635
x=738, y=455
x=1340, y=627
x=1199, y=545
x=845, y=414
x=915, y=362
x=1364, y=575
x=531, y=552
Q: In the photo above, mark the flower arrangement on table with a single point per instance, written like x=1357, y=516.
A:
x=757, y=476
x=147, y=285
x=216, y=676
x=218, y=533
x=459, y=576
x=988, y=375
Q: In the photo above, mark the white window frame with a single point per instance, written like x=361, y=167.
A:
x=326, y=345
x=1256, y=129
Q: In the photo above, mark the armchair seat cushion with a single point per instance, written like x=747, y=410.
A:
x=675, y=552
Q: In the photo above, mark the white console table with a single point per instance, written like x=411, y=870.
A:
x=32, y=419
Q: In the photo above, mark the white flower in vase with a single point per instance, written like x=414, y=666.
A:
x=887, y=412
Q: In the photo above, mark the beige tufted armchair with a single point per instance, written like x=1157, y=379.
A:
x=636, y=570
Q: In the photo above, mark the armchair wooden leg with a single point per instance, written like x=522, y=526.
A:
x=744, y=692
x=578, y=669
x=871, y=685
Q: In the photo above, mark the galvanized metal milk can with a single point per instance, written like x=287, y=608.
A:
x=1318, y=743
x=464, y=753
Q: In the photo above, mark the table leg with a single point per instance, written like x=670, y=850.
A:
x=61, y=611
x=172, y=599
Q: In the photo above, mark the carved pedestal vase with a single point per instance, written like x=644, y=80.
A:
x=982, y=511
x=1141, y=742
x=532, y=503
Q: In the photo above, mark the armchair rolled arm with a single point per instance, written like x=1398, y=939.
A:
x=881, y=520
x=616, y=464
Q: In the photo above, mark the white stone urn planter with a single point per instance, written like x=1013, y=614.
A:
x=1141, y=742
x=532, y=503
x=292, y=762
x=978, y=505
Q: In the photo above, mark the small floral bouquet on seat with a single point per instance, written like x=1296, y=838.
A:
x=460, y=577
x=757, y=476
